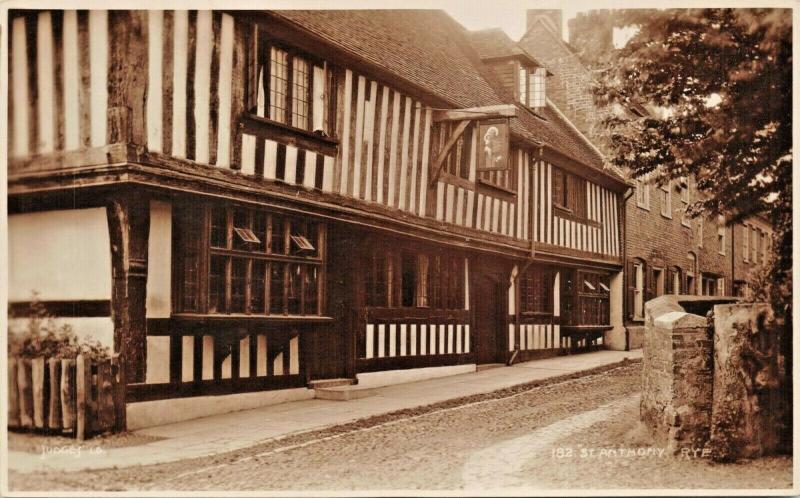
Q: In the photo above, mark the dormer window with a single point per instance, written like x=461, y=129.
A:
x=531, y=86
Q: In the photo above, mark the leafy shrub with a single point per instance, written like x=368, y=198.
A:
x=43, y=337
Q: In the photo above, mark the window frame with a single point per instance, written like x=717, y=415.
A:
x=643, y=187
x=536, y=291
x=746, y=244
x=236, y=252
x=666, y=200
x=572, y=193
x=284, y=131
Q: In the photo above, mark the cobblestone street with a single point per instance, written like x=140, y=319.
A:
x=555, y=436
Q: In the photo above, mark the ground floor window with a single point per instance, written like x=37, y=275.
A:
x=239, y=260
x=585, y=297
x=536, y=290
x=420, y=278
x=709, y=286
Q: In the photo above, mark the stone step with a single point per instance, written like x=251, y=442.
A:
x=487, y=366
x=345, y=393
x=324, y=383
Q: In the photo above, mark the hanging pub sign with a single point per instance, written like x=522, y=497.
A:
x=493, y=144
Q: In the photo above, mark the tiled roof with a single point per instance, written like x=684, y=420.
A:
x=426, y=47
x=431, y=50
x=495, y=43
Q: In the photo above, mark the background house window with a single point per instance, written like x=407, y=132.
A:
x=522, y=80
x=722, y=236
x=764, y=247
x=638, y=290
x=754, y=245
x=685, y=199
x=699, y=233
x=254, y=266
x=666, y=200
x=745, y=243
x=690, y=274
x=642, y=194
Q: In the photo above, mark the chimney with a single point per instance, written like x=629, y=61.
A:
x=554, y=15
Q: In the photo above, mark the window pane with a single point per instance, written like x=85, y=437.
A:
x=311, y=284
x=216, y=284
x=523, y=85
x=241, y=219
x=238, y=284
x=276, y=287
x=278, y=84
x=257, y=281
x=260, y=231
x=422, y=280
x=300, y=91
x=219, y=227
x=278, y=244
x=190, y=221
x=408, y=279
x=295, y=279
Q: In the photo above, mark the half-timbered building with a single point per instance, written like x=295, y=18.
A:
x=254, y=201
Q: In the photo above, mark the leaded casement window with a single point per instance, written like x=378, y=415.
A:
x=234, y=260
x=585, y=297
x=291, y=87
x=405, y=278
x=569, y=193
x=536, y=290
x=531, y=86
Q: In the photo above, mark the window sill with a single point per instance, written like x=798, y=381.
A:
x=643, y=207
x=497, y=188
x=666, y=216
x=288, y=135
x=568, y=214
x=242, y=317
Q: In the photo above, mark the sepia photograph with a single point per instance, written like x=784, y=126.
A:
x=400, y=249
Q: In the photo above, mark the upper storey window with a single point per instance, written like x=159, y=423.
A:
x=531, y=86
x=292, y=88
x=569, y=193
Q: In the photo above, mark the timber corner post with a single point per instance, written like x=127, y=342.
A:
x=129, y=227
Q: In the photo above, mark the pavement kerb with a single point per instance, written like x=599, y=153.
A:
x=341, y=428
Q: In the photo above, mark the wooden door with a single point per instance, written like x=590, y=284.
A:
x=489, y=321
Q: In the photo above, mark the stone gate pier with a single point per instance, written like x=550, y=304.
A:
x=712, y=376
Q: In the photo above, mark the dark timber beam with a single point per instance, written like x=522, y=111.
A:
x=437, y=164
x=129, y=228
x=485, y=112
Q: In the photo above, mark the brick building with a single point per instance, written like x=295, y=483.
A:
x=664, y=252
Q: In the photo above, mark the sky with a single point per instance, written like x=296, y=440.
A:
x=508, y=15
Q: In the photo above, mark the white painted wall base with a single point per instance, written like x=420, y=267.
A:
x=168, y=411
x=391, y=377
x=614, y=339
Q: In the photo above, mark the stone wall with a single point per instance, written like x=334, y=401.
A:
x=711, y=383
x=677, y=374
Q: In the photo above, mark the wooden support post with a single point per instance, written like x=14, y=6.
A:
x=54, y=405
x=436, y=167
x=103, y=419
x=40, y=386
x=25, y=393
x=68, y=416
x=118, y=372
x=13, y=394
x=129, y=227
x=83, y=381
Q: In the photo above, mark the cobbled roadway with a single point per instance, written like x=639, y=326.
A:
x=478, y=445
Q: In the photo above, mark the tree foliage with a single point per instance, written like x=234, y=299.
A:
x=717, y=86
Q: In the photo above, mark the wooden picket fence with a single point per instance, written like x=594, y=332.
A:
x=79, y=398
